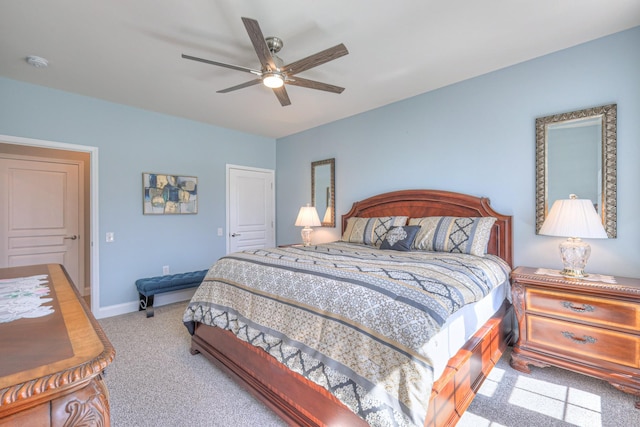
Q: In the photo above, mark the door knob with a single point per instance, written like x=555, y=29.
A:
x=235, y=234
x=74, y=237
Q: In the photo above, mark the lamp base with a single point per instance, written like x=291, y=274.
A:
x=573, y=273
x=306, y=236
x=575, y=254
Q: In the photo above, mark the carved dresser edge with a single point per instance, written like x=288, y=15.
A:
x=76, y=374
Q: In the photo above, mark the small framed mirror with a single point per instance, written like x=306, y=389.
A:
x=576, y=153
x=323, y=190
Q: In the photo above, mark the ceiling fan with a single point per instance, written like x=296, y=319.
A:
x=273, y=73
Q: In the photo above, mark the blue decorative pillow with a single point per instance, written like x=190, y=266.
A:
x=400, y=238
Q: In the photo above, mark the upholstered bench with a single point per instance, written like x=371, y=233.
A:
x=150, y=286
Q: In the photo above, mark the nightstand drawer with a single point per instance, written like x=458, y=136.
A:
x=577, y=341
x=601, y=311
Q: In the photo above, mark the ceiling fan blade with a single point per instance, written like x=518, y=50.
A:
x=312, y=84
x=283, y=97
x=259, y=43
x=316, y=59
x=221, y=64
x=240, y=86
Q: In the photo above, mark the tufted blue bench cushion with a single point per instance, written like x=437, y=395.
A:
x=150, y=286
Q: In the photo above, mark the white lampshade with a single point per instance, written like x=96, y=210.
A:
x=327, y=215
x=308, y=217
x=574, y=218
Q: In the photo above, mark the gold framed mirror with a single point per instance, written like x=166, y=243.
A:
x=576, y=153
x=323, y=190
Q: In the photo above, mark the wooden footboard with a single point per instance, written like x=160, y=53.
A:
x=302, y=403
x=453, y=392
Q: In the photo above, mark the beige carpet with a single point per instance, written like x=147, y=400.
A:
x=155, y=381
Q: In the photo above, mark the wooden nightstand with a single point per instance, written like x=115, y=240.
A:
x=584, y=325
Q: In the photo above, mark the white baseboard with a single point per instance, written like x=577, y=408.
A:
x=158, y=301
x=115, y=310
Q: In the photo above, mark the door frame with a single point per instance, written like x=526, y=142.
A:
x=228, y=199
x=93, y=255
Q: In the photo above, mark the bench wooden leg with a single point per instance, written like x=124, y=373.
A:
x=146, y=303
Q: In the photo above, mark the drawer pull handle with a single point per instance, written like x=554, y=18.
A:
x=586, y=339
x=585, y=307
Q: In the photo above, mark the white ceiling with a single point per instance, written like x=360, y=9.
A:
x=128, y=51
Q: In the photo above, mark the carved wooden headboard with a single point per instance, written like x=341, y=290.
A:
x=422, y=203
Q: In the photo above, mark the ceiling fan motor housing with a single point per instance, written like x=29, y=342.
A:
x=274, y=44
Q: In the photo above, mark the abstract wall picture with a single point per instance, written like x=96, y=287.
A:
x=169, y=194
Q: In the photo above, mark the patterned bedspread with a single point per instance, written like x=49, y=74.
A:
x=351, y=318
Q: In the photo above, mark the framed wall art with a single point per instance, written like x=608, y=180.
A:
x=165, y=194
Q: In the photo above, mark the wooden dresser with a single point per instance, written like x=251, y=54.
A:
x=584, y=325
x=51, y=366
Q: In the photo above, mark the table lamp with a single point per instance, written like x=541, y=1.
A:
x=576, y=219
x=307, y=218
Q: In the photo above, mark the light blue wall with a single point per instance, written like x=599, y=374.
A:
x=478, y=137
x=132, y=141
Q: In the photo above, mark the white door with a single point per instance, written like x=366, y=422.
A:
x=250, y=208
x=40, y=218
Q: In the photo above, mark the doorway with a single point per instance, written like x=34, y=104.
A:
x=88, y=157
x=42, y=221
x=250, y=208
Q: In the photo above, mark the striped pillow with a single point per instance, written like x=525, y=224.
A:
x=466, y=235
x=370, y=231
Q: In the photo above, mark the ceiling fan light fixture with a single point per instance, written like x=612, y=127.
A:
x=273, y=80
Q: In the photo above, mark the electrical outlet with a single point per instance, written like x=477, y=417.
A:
x=110, y=237
x=165, y=270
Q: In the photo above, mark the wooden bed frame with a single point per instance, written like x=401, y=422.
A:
x=302, y=403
